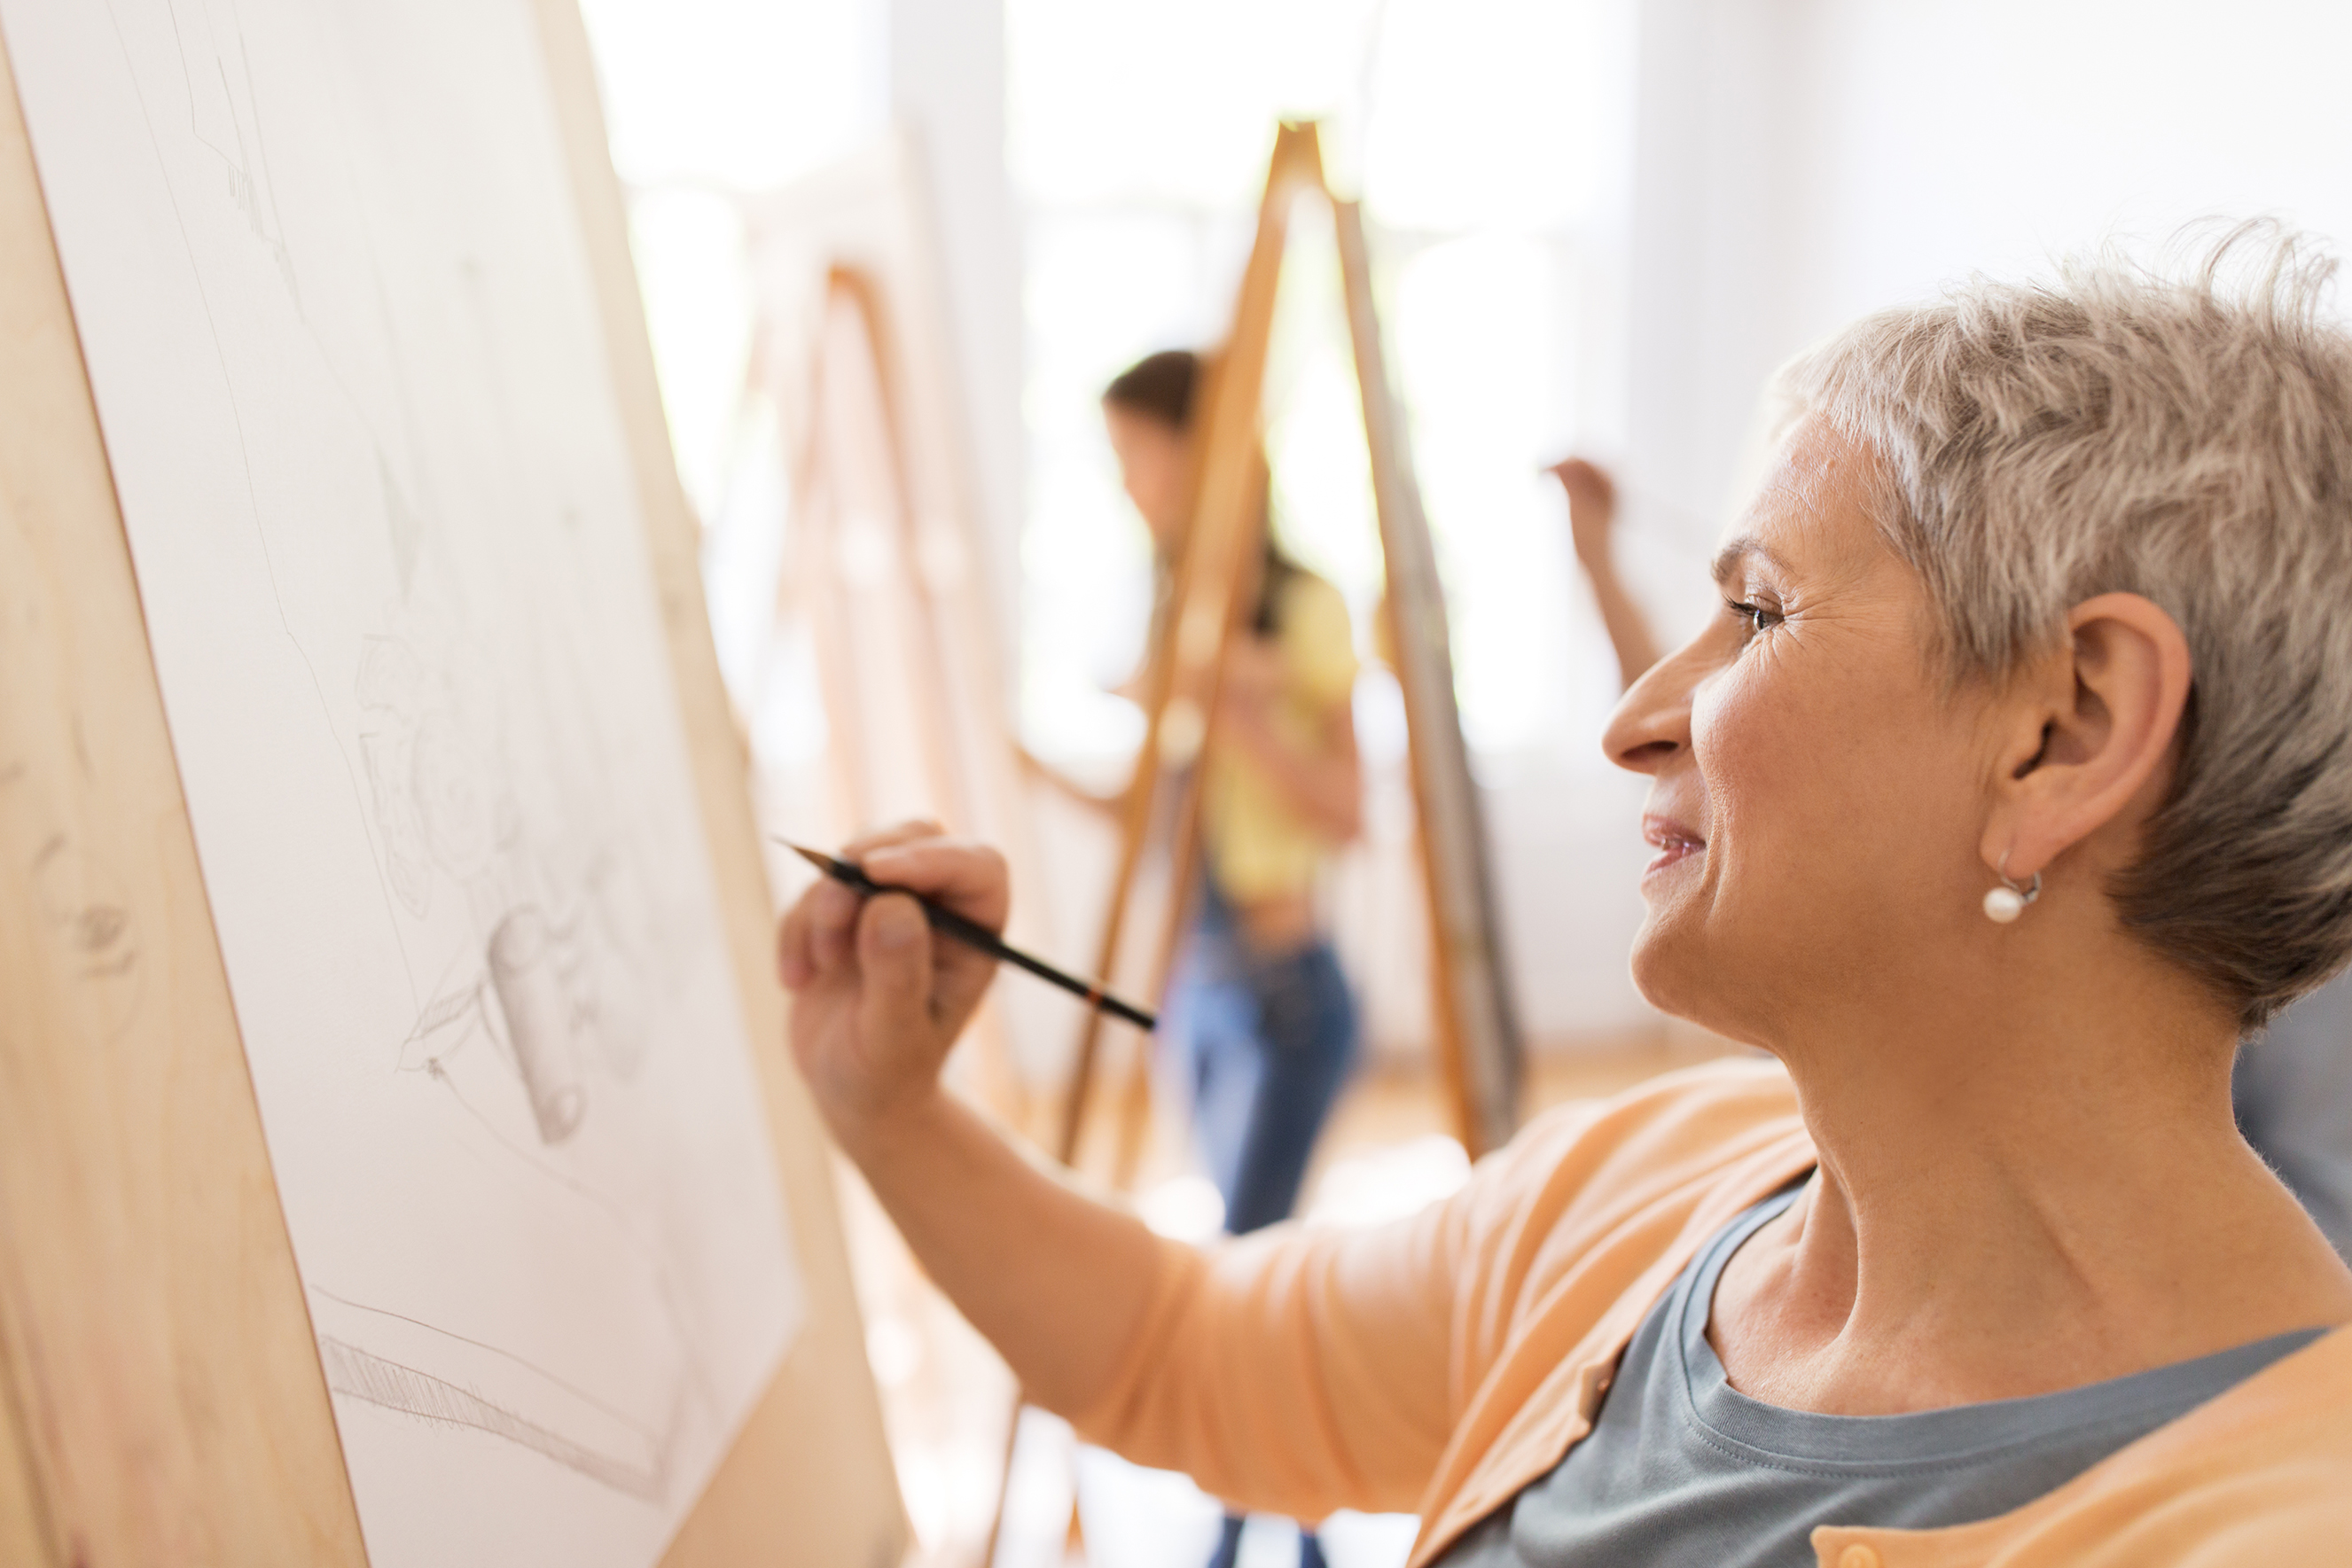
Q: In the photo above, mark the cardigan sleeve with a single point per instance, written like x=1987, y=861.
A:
x=1301, y=1370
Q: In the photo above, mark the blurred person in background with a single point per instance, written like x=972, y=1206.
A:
x=1592, y=528
x=1257, y=1014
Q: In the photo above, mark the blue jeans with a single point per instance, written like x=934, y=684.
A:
x=1265, y=1043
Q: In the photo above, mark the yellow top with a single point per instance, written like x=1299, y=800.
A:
x=1258, y=846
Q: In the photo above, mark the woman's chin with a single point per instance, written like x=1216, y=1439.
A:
x=1668, y=968
x=1653, y=960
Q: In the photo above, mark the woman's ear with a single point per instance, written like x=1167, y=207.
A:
x=2109, y=710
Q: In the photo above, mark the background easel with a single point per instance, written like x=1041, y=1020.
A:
x=884, y=569
x=904, y=650
x=886, y=552
x=1477, y=1029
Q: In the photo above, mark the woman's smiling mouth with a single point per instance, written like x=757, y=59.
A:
x=1673, y=840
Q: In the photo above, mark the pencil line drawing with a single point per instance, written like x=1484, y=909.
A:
x=223, y=118
x=440, y=1075
x=556, y=988
x=360, y=1374
x=282, y=265
x=487, y=1389
x=373, y=477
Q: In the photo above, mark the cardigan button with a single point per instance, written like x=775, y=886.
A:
x=1857, y=1557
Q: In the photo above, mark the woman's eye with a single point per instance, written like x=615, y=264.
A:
x=1758, y=617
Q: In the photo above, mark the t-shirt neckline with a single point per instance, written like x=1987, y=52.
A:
x=1927, y=1439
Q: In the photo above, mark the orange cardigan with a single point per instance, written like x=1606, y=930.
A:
x=1441, y=1364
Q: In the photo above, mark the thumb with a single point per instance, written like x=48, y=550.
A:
x=894, y=964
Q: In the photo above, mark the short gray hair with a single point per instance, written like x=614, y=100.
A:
x=2184, y=438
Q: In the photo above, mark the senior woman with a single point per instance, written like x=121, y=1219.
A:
x=2011, y=787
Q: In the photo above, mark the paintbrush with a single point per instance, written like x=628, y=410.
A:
x=972, y=933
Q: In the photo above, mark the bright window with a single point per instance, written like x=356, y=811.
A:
x=1476, y=133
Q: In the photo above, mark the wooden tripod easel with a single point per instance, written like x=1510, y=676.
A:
x=888, y=590
x=1477, y=1029
x=887, y=545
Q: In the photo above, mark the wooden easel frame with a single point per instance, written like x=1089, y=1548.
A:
x=1477, y=1029
x=161, y=1395
x=871, y=484
x=1476, y=1017
x=856, y=245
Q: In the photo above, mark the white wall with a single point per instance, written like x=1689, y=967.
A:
x=947, y=80
x=2043, y=127
x=1799, y=162
x=1802, y=161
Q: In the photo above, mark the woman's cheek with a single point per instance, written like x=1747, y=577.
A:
x=1725, y=737
x=1747, y=753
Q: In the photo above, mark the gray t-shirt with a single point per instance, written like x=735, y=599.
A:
x=1682, y=1469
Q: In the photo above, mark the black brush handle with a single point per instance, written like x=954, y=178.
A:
x=973, y=934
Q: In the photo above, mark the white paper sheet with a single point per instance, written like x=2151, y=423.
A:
x=336, y=308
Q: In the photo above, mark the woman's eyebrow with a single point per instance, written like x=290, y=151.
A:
x=1739, y=547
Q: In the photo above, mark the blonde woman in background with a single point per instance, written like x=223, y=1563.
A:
x=1257, y=1012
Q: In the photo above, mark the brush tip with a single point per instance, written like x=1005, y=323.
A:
x=816, y=858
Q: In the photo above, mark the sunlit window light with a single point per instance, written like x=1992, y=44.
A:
x=1139, y=137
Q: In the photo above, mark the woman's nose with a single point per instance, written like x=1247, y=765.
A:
x=1652, y=718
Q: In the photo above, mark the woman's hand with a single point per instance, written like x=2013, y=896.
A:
x=1591, y=507
x=878, y=1001
x=1247, y=687
x=1057, y=1283
x=1324, y=782
x=1591, y=519
x=1252, y=673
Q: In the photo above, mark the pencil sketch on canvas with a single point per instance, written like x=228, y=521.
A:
x=337, y=313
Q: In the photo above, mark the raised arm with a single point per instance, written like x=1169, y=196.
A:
x=1591, y=520
x=1297, y=1372
x=1057, y=1283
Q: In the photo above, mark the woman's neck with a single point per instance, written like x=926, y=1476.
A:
x=2019, y=1198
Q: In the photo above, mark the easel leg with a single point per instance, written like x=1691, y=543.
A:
x=1213, y=580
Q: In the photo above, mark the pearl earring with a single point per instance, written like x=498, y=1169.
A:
x=2007, y=902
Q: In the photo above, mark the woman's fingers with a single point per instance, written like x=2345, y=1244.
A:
x=792, y=963
x=904, y=981
x=954, y=873
x=908, y=831
x=833, y=918
x=815, y=936
x=894, y=963
x=815, y=933
x=884, y=999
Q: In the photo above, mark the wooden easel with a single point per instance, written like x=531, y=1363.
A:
x=161, y=1398
x=905, y=654
x=1476, y=1030
x=888, y=547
